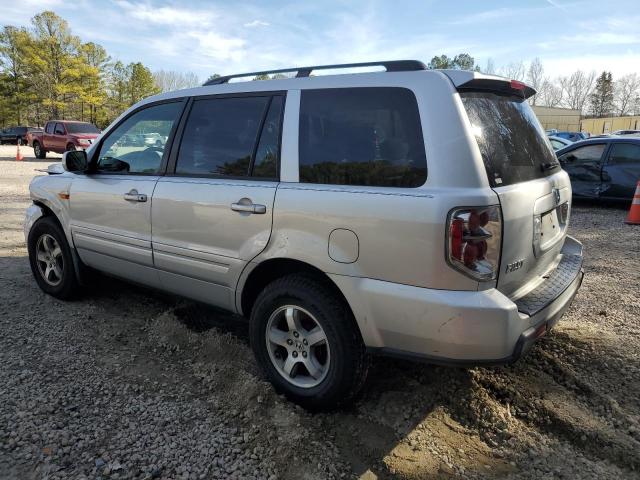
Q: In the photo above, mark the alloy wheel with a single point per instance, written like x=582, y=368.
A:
x=298, y=346
x=49, y=259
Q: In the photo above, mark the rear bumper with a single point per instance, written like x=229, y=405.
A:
x=461, y=327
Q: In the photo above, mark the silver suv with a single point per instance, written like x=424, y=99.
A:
x=409, y=212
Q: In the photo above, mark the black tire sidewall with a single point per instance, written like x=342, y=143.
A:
x=67, y=288
x=39, y=152
x=334, y=317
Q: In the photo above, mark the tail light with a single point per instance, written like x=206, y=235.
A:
x=473, y=241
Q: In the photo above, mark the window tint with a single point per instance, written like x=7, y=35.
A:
x=82, y=127
x=50, y=127
x=137, y=145
x=361, y=136
x=59, y=129
x=624, y=154
x=220, y=135
x=586, y=154
x=268, y=152
x=511, y=140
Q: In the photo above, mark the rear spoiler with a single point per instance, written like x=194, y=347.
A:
x=466, y=81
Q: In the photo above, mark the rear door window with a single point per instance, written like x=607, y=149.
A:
x=361, y=136
x=220, y=135
x=624, y=154
x=512, y=142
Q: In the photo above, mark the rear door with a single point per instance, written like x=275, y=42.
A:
x=584, y=166
x=621, y=171
x=111, y=207
x=59, y=138
x=213, y=213
x=533, y=191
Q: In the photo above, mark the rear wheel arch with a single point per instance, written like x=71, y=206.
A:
x=275, y=268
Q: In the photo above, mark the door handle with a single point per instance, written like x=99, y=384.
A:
x=245, y=205
x=134, y=196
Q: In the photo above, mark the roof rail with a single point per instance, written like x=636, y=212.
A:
x=390, y=66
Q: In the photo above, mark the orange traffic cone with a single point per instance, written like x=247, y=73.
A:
x=19, y=155
x=634, y=211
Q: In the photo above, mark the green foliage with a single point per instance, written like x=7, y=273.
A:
x=47, y=72
x=462, y=61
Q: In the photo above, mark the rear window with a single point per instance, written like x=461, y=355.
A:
x=361, y=136
x=513, y=144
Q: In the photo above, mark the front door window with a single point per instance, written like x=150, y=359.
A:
x=138, y=144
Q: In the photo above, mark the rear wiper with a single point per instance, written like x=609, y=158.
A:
x=549, y=166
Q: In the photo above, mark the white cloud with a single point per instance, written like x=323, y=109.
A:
x=176, y=17
x=257, y=23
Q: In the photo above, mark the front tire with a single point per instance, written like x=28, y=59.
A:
x=50, y=259
x=39, y=151
x=306, y=339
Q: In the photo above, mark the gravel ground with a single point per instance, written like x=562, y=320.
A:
x=129, y=383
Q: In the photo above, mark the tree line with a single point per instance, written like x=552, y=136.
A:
x=594, y=95
x=46, y=72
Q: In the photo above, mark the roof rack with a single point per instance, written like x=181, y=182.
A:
x=301, y=72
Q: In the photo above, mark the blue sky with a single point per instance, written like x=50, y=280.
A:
x=234, y=36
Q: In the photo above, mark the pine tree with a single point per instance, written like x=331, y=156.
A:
x=601, y=100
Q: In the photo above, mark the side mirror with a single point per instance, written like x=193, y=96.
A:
x=75, y=161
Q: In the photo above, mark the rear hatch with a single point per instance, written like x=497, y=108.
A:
x=533, y=191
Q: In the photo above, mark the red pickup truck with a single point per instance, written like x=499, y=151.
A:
x=60, y=136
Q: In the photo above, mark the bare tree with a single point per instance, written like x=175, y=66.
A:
x=490, y=68
x=514, y=71
x=168, y=80
x=576, y=89
x=550, y=94
x=626, y=92
x=535, y=77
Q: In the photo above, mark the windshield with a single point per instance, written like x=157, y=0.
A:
x=80, y=127
x=513, y=145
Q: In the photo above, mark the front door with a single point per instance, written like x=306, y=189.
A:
x=621, y=172
x=111, y=207
x=214, y=213
x=584, y=166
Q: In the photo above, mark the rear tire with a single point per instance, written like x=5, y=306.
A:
x=38, y=150
x=325, y=340
x=50, y=259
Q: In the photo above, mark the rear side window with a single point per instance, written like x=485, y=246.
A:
x=361, y=136
x=624, y=154
x=512, y=142
x=220, y=136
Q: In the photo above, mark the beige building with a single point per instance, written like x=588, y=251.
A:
x=596, y=126
x=558, y=118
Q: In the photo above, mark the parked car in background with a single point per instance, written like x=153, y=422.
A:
x=603, y=167
x=60, y=136
x=17, y=135
x=327, y=210
x=558, y=142
x=626, y=132
x=573, y=136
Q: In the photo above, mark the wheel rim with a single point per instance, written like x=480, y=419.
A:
x=298, y=346
x=36, y=149
x=49, y=260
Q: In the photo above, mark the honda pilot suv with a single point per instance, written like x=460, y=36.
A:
x=408, y=212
